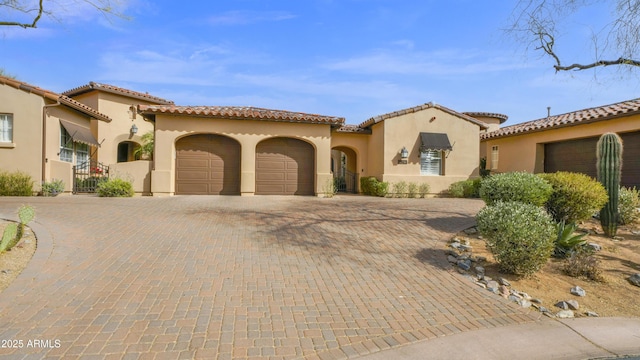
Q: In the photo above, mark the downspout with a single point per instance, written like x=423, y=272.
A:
x=44, y=137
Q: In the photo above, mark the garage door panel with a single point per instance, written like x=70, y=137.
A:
x=207, y=164
x=285, y=167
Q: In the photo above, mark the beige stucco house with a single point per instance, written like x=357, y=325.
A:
x=566, y=142
x=44, y=134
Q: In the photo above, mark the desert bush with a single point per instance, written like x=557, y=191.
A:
x=575, y=197
x=423, y=190
x=400, y=189
x=330, y=188
x=465, y=189
x=628, y=204
x=582, y=263
x=371, y=186
x=566, y=240
x=515, y=186
x=52, y=188
x=456, y=189
x=15, y=184
x=115, y=188
x=412, y=190
x=519, y=235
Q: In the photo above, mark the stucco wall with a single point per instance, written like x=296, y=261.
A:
x=138, y=172
x=459, y=164
x=526, y=152
x=61, y=170
x=248, y=133
x=25, y=152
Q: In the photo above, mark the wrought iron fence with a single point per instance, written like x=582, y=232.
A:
x=88, y=175
x=346, y=183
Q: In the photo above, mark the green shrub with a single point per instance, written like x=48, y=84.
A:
x=423, y=190
x=566, y=242
x=628, y=204
x=466, y=188
x=456, y=189
x=515, y=186
x=575, y=197
x=15, y=184
x=115, y=188
x=412, y=190
x=400, y=189
x=520, y=236
x=52, y=188
x=371, y=186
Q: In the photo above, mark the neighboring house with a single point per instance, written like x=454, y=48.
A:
x=44, y=134
x=120, y=138
x=441, y=147
x=566, y=142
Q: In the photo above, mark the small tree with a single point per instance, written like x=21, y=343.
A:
x=145, y=151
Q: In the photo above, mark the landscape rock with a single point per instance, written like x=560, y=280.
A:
x=504, y=282
x=479, y=270
x=504, y=291
x=573, y=305
x=591, y=314
x=524, y=303
x=578, y=291
x=493, y=286
x=464, y=264
x=562, y=305
x=618, y=238
x=536, y=301
x=543, y=309
x=471, y=231
x=594, y=246
x=635, y=232
x=452, y=259
x=635, y=279
x=565, y=314
x=480, y=259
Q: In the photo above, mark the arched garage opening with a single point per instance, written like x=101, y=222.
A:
x=207, y=164
x=285, y=166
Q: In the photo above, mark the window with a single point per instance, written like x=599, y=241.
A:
x=6, y=128
x=66, y=145
x=82, y=154
x=494, y=157
x=431, y=162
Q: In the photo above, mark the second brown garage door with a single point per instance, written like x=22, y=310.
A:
x=284, y=166
x=580, y=156
x=207, y=164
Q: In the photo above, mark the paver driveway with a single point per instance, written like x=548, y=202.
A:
x=241, y=277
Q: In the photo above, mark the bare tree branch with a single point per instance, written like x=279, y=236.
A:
x=21, y=24
x=105, y=7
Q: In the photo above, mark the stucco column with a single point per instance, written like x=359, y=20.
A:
x=164, y=159
x=248, y=165
x=323, y=164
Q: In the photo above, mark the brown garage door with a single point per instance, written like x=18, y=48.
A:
x=580, y=156
x=207, y=164
x=284, y=167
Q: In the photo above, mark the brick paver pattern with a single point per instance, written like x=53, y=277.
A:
x=242, y=278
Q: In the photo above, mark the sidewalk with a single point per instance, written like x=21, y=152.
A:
x=582, y=338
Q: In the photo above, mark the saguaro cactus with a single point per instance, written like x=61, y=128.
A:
x=609, y=166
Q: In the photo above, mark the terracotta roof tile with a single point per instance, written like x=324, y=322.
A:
x=241, y=112
x=116, y=90
x=89, y=111
x=354, y=129
x=379, y=118
x=473, y=114
x=584, y=116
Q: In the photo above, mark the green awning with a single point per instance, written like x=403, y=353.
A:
x=434, y=142
x=79, y=133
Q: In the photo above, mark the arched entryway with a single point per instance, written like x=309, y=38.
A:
x=127, y=151
x=285, y=166
x=207, y=164
x=345, y=169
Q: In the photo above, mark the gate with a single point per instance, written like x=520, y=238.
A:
x=346, y=183
x=88, y=175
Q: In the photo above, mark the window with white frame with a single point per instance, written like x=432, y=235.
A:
x=431, y=162
x=6, y=128
x=494, y=157
x=66, y=145
x=82, y=153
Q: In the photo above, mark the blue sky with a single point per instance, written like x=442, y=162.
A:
x=349, y=58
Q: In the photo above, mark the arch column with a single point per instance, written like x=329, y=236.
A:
x=248, y=166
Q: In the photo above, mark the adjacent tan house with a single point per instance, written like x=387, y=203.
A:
x=566, y=142
x=44, y=134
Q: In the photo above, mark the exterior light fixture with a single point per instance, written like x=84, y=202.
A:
x=134, y=129
x=404, y=156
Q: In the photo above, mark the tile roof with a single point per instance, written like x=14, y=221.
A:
x=473, y=114
x=379, y=118
x=116, y=90
x=240, y=113
x=353, y=129
x=65, y=100
x=579, y=117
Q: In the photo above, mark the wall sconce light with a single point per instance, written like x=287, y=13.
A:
x=404, y=156
x=134, y=129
